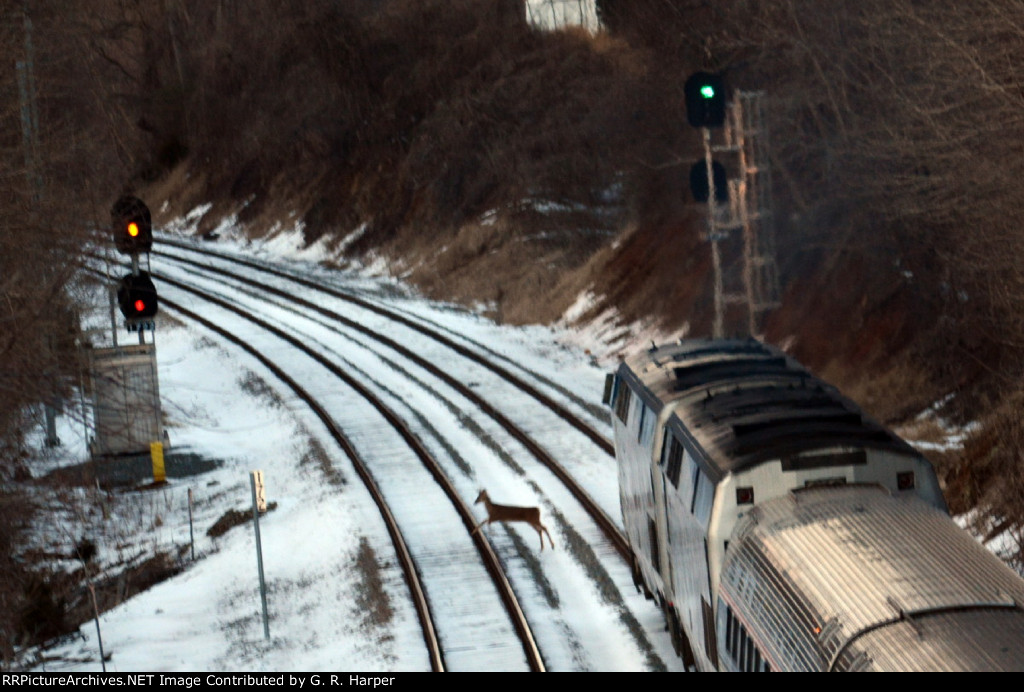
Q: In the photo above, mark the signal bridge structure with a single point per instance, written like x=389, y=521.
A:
x=739, y=218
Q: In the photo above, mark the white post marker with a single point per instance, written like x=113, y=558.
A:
x=191, y=534
x=259, y=505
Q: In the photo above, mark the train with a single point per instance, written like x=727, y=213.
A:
x=780, y=528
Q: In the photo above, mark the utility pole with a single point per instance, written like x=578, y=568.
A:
x=29, y=109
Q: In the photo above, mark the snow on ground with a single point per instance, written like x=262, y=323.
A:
x=209, y=617
x=334, y=604
x=606, y=337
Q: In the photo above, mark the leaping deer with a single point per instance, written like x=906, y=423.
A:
x=531, y=515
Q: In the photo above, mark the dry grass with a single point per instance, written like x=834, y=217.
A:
x=232, y=518
x=372, y=601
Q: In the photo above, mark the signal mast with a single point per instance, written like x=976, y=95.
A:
x=738, y=204
x=126, y=390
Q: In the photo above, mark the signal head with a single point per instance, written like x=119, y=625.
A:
x=136, y=296
x=699, y=186
x=705, y=99
x=132, y=225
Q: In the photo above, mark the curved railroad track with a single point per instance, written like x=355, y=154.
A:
x=411, y=571
x=395, y=316
x=597, y=513
x=457, y=359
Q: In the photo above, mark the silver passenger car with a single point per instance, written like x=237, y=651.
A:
x=716, y=441
x=851, y=578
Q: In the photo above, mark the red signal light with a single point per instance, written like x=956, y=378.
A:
x=133, y=229
x=136, y=296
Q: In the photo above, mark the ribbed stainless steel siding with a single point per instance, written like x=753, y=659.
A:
x=815, y=570
x=986, y=640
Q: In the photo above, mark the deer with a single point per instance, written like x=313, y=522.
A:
x=531, y=515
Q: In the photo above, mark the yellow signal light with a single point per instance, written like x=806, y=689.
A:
x=133, y=229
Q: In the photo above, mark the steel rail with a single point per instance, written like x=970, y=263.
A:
x=598, y=439
x=597, y=513
x=488, y=557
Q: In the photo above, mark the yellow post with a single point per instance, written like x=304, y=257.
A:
x=156, y=451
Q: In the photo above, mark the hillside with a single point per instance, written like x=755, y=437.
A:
x=504, y=167
x=512, y=169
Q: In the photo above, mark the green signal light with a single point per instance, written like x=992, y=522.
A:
x=707, y=91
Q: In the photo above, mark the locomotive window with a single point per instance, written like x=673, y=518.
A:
x=652, y=534
x=734, y=637
x=728, y=629
x=622, y=403
x=744, y=646
x=647, y=420
x=647, y=437
x=703, y=498
x=675, y=462
x=710, y=639
x=694, y=474
x=636, y=412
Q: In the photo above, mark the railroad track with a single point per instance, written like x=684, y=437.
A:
x=273, y=287
x=434, y=333
x=410, y=570
x=600, y=517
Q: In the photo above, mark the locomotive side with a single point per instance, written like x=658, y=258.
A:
x=711, y=435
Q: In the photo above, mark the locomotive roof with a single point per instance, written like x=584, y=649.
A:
x=744, y=402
